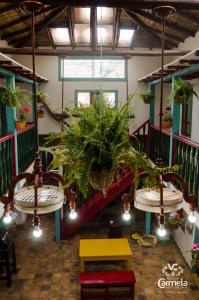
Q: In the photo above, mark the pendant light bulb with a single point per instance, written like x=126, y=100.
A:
x=161, y=230
x=192, y=217
x=73, y=214
x=126, y=216
x=37, y=231
x=7, y=218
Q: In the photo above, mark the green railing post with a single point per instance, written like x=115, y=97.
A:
x=152, y=104
x=57, y=224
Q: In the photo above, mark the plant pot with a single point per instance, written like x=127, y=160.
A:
x=166, y=124
x=101, y=180
x=179, y=100
x=20, y=124
x=40, y=115
x=174, y=226
x=147, y=101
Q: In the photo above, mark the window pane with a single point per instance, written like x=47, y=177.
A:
x=110, y=98
x=83, y=99
x=76, y=68
x=109, y=68
x=93, y=68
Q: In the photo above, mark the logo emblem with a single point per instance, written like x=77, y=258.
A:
x=172, y=270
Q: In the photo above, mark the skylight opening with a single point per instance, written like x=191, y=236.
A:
x=60, y=36
x=126, y=36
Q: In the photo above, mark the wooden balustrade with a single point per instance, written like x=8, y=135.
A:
x=7, y=162
x=26, y=147
x=26, y=142
x=185, y=153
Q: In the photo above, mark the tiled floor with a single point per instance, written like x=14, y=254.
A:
x=50, y=270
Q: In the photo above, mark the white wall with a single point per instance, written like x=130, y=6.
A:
x=47, y=66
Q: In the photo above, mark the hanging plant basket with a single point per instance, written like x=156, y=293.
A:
x=40, y=115
x=101, y=180
x=20, y=124
x=166, y=124
x=179, y=100
x=174, y=226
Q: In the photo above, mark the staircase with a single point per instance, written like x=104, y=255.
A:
x=95, y=204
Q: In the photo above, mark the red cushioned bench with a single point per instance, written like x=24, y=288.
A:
x=92, y=282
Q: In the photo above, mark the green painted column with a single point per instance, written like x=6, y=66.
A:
x=151, y=121
x=175, y=129
x=152, y=104
x=148, y=223
x=57, y=224
x=10, y=111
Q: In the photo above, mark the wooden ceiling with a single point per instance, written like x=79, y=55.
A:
x=138, y=15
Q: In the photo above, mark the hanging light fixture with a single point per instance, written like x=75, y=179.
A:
x=163, y=200
x=126, y=204
x=37, y=198
x=72, y=205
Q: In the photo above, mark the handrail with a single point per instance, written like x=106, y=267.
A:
x=177, y=137
x=6, y=138
x=141, y=126
x=28, y=127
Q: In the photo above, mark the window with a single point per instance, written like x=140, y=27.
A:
x=92, y=68
x=86, y=98
x=186, y=118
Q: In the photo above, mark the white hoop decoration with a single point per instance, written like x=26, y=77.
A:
x=149, y=200
x=50, y=198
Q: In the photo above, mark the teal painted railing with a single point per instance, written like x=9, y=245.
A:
x=185, y=153
x=7, y=162
x=154, y=141
x=26, y=147
x=139, y=137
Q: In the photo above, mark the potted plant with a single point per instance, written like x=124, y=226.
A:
x=174, y=220
x=95, y=147
x=195, y=257
x=183, y=91
x=41, y=96
x=167, y=121
x=147, y=97
x=13, y=96
x=41, y=112
x=21, y=122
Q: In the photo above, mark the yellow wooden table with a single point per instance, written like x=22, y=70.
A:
x=104, y=249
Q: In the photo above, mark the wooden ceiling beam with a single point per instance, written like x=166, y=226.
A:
x=5, y=63
x=71, y=26
x=134, y=37
x=93, y=28
x=152, y=31
x=23, y=19
x=169, y=24
x=8, y=7
x=38, y=28
x=27, y=29
x=191, y=18
x=50, y=38
x=136, y=4
x=116, y=27
x=50, y=52
x=176, y=67
x=189, y=61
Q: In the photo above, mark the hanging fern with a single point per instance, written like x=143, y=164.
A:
x=97, y=142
